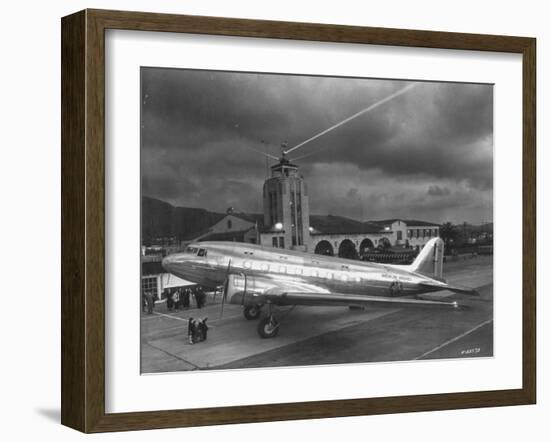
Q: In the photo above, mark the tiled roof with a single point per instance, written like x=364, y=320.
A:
x=329, y=224
x=250, y=217
x=237, y=235
x=414, y=222
x=409, y=222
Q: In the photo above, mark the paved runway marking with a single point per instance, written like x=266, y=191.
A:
x=170, y=316
x=456, y=338
x=145, y=318
x=190, y=309
x=164, y=331
x=186, y=319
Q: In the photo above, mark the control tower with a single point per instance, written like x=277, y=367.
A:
x=286, y=205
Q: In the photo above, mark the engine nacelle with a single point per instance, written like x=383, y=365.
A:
x=245, y=289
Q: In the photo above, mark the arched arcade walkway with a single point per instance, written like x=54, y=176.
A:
x=347, y=250
x=324, y=248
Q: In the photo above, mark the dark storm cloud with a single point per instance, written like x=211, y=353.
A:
x=200, y=130
x=438, y=191
x=419, y=133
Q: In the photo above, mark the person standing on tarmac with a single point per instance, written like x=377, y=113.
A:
x=150, y=302
x=196, y=296
x=186, y=297
x=201, y=297
x=180, y=299
x=169, y=302
x=176, y=300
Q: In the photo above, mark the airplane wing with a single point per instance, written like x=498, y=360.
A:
x=307, y=298
x=295, y=291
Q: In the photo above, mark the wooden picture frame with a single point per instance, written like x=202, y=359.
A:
x=83, y=220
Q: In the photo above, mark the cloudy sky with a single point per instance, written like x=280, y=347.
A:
x=425, y=154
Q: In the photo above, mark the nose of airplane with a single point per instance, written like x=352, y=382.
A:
x=169, y=263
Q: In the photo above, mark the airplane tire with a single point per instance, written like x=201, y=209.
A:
x=268, y=327
x=252, y=312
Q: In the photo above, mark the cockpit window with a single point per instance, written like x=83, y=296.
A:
x=192, y=250
x=202, y=252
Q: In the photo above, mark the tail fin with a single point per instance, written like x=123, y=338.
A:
x=430, y=259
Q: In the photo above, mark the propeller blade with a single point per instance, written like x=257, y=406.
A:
x=244, y=291
x=225, y=287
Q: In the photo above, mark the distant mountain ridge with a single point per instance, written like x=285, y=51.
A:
x=160, y=219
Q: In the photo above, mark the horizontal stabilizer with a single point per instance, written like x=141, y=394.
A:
x=452, y=288
x=464, y=291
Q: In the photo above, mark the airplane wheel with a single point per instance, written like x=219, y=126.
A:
x=268, y=327
x=252, y=312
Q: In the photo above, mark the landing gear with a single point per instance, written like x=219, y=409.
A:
x=268, y=327
x=252, y=312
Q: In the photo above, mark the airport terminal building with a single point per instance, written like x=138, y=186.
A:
x=286, y=222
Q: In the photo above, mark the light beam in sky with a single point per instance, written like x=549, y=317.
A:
x=358, y=114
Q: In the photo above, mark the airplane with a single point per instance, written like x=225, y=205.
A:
x=259, y=277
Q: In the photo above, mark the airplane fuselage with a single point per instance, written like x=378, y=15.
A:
x=207, y=263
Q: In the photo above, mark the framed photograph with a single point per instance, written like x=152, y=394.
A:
x=267, y=220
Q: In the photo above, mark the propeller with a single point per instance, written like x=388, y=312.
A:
x=225, y=287
x=244, y=291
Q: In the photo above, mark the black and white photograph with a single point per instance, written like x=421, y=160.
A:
x=301, y=220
